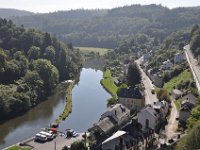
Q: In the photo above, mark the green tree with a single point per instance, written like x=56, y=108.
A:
x=3, y=58
x=34, y=52
x=163, y=95
x=134, y=75
x=78, y=146
x=191, y=141
x=194, y=117
x=48, y=73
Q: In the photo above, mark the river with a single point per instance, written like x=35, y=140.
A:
x=89, y=101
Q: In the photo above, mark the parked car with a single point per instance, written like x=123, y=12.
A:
x=49, y=136
x=71, y=133
x=40, y=137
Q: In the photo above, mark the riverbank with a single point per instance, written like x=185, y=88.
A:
x=68, y=106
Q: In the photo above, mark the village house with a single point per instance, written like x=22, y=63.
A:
x=119, y=113
x=158, y=80
x=120, y=140
x=187, y=104
x=148, y=118
x=129, y=137
x=167, y=64
x=115, y=116
x=153, y=117
x=176, y=93
x=132, y=98
x=179, y=57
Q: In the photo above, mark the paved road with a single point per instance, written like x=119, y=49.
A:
x=195, y=68
x=149, y=97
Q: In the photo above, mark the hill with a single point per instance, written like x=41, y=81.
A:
x=106, y=28
x=6, y=13
x=32, y=63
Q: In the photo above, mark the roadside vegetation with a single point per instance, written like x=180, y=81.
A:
x=18, y=148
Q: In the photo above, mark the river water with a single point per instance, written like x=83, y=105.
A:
x=89, y=101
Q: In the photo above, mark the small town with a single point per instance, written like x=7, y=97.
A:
x=99, y=75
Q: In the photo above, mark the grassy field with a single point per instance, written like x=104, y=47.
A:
x=101, y=51
x=17, y=148
x=185, y=75
x=108, y=84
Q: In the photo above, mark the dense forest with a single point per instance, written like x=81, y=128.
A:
x=31, y=65
x=107, y=28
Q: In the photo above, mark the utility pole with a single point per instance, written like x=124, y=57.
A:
x=55, y=145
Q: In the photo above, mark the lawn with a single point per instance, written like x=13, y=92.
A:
x=101, y=51
x=18, y=148
x=185, y=75
x=108, y=84
x=178, y=104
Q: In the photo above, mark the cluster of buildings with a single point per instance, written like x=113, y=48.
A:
x=132, y=123
x=156, y=74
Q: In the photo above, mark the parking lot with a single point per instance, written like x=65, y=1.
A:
x=58, y=143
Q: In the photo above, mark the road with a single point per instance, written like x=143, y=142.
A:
x=149, y=97
x=195, y=68
x=170, y=129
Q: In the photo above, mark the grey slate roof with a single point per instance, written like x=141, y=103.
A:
x=106, y=124
x=189, y=98
x=131, y=93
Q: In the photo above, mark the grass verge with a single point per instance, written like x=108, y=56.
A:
x=178, y=104
x=68, y=106
x=18, y=148
x=108, y=84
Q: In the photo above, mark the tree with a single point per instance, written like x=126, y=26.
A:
x=3, y=58
x=163, y=95
x=34, y=52
x=194, y=117
x=78, y=146
x=134, y=75
x=48, y=73
x=191, y=141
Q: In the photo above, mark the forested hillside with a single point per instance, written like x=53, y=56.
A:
x=31, y=64
x=106, y=28
x=5, y=13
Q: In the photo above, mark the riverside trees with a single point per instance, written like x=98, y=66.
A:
x=31, y=64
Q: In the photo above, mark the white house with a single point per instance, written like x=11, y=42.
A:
x=167, y=64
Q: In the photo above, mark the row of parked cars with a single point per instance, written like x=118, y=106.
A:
x=44, y=136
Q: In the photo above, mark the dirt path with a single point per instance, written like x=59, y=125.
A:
x=171, y=128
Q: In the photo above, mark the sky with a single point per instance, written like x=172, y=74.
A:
x=43, y=6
